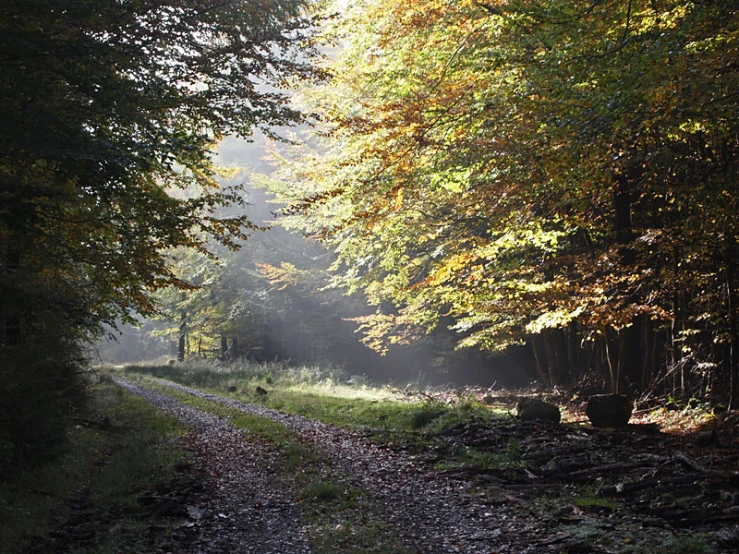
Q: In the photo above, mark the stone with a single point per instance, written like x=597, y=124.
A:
x=609, y=410
x=531, y=409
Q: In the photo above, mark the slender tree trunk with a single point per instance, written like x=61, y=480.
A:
x=615, y=372
x=626, y=351
x=561, y=343
x=612, y=370
x=674, y=357
x=224, y=347
x=573, y=350
x=733, y=326
x=622, y=223
x=622, y=366
x=540, y=357
x=183, y=331
x=649, y=358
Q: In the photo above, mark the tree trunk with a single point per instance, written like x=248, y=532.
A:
x=556, y=348
x=183, y=330
x=224, y=347
x=181, y=348
x=622, y=223
x=733, y=326
x=573, y=350
x=674, y=349
x=632, y=350
x=540, y=357
x=620, y=362
x=615, y=373
x=649, y=359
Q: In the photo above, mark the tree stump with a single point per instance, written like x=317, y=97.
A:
x=609, y=410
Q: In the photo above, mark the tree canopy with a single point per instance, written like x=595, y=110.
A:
x=560, y=173
x=109, y=111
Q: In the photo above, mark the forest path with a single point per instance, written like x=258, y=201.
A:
x=434, y=514
x=240, y=509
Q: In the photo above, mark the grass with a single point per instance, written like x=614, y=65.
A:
x=593, y=501
x=326, y=395
x=320, y=490
x=507, y=459
x=108, y=467
x=688, y=544
x=243, y=373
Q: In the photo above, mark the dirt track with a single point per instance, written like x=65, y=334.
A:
x=435, y=515
x=470, y=510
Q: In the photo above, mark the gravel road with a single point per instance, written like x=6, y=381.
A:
x=241, y=509
x=435, y=515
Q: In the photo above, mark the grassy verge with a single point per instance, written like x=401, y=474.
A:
x=340, y=517
x=120, y=449
x=324, y=395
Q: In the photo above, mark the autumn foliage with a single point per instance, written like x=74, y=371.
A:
x=560, y=174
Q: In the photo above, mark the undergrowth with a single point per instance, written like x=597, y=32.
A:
x=119, y=449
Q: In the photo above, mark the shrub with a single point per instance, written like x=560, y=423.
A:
x=43, y=384
x=425, y=414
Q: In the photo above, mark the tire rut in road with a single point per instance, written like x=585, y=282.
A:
x=243, y=510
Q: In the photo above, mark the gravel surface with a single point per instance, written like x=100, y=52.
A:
x=240, y=510
x=435, y=514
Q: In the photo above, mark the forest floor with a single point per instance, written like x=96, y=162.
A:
x=265, y=481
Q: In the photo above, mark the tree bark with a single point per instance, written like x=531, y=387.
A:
x=540, y=358
x=183, y=331
x=573, y=350
x=615, y=374
x=733, y=325
x=621, y=365
x=224, y=347
x=556, y=354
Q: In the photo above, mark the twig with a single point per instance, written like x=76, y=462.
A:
x=689, y=462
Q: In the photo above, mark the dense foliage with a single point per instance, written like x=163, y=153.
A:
x=108, y=114
x=556, y=173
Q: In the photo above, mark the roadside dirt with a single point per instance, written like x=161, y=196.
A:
x=563, y=488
